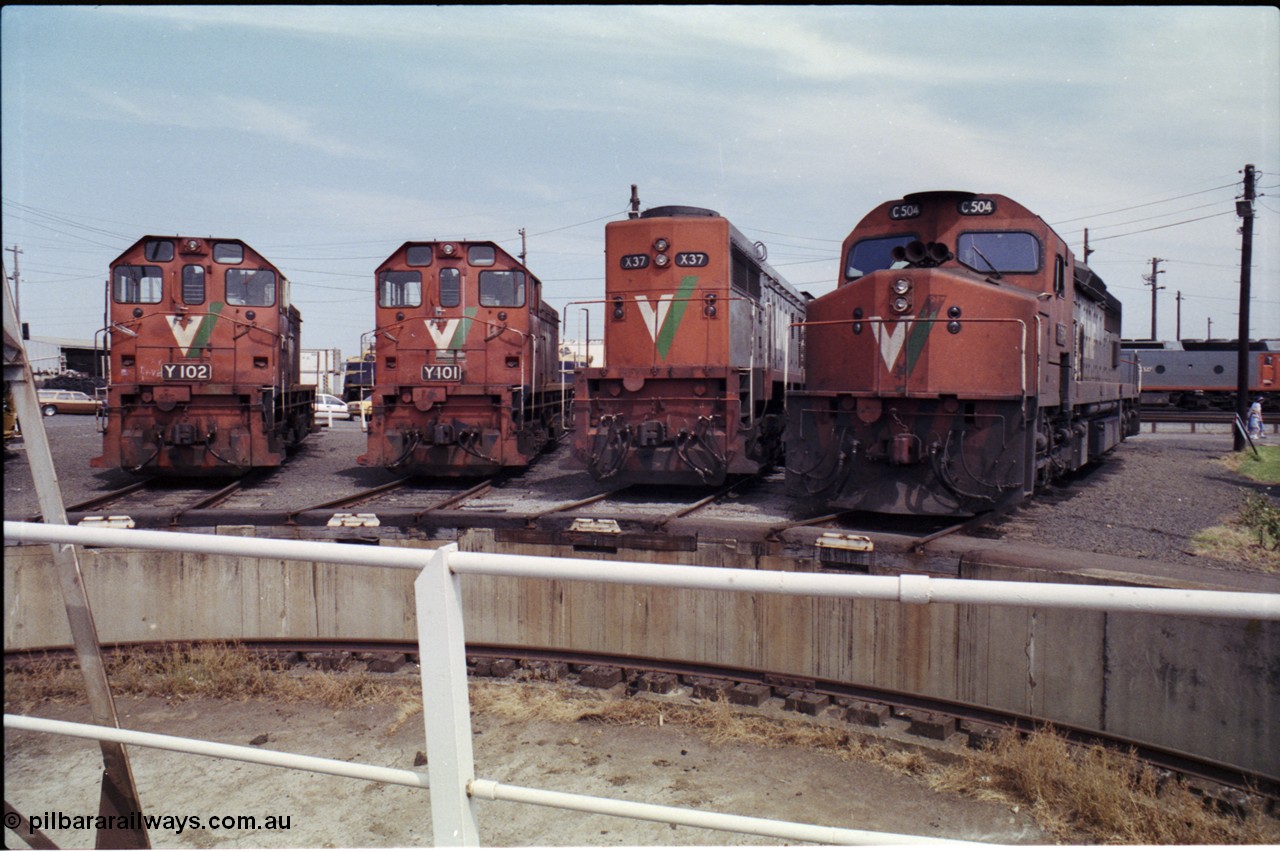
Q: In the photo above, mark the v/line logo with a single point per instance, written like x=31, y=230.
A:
x=663, y=318
x=192, y=335
x=908, y=334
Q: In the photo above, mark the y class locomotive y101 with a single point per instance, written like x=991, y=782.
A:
x=700, y=343
x=204, y=352
x=965, y=358
x=466, y=363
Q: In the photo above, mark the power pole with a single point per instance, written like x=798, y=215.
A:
x=1244, y=209
x=17, y=301
x=1178, y=326
x=1151, y=282
x=1208, y=335
x=523, y=248
x=1087, y=251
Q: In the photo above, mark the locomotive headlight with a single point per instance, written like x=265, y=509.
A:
x=661, y=244
x=661, y=260
x=900, y=304
x=448, y=249
x=902, y=286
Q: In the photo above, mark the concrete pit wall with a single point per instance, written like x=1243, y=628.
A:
x=1206, y=687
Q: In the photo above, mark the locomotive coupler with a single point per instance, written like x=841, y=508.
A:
x=905, y=449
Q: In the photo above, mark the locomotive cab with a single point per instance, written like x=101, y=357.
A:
x=964, y=359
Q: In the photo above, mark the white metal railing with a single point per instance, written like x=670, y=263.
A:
x=438, y=593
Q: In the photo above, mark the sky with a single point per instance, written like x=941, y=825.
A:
x=327, y=136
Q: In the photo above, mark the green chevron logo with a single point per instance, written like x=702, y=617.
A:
x=662, y=320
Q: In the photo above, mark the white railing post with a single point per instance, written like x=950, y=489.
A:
x=446, y=706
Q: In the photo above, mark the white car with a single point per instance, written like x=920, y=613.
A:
x=328, y=406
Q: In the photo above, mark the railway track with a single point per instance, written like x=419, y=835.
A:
x=918, y=722
x=522, y=507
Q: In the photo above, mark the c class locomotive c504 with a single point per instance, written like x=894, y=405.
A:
x=965, y=358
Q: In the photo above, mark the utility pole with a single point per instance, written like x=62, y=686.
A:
x=1087, y=251
x=17, y=301
x=1208, y=335
x=1178, y=326
x=1151, y=282
x=523, y=248
x=1244, y=209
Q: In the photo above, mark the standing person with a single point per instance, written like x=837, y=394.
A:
x=1255, y=420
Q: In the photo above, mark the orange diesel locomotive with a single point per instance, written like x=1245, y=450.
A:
x=966, y=357
x=466, y=353
x=204, y=360
x=699, y=347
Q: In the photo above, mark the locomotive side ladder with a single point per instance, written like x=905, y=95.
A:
x=119, y=797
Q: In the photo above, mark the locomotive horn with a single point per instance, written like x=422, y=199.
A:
x=898, y=253
x=939, y=252
x=916, y=251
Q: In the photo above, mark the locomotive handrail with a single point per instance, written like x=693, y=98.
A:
x=440, y=615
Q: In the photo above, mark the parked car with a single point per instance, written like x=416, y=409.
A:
x=328, y=405
x=68, y=402
x=363, y=408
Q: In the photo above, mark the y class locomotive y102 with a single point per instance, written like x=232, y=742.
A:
x=204, y=351
x=700, y=343
x=466, y=363
x=965, y=358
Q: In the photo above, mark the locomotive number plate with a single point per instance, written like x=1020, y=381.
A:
x=977, y=207
x=692, y=258
x=904, y=211
x=442, y=373
x=634, y=261
x=186, y=372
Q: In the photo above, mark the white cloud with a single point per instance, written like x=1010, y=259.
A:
x=224, y=112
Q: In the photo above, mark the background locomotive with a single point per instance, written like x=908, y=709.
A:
x=699, y=347
x=965, y=358
x=204, y=358
x=466, y=370
x=1201, y=374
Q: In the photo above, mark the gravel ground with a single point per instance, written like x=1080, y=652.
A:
x=1145, y=500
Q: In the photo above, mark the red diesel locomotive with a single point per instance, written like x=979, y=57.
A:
x=466, y=371
x=699, y=346
x=965, y=358
x=204, y=358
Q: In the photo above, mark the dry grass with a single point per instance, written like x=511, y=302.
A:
x=214, y=671
x=1094, y=795
x=1080, y=795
